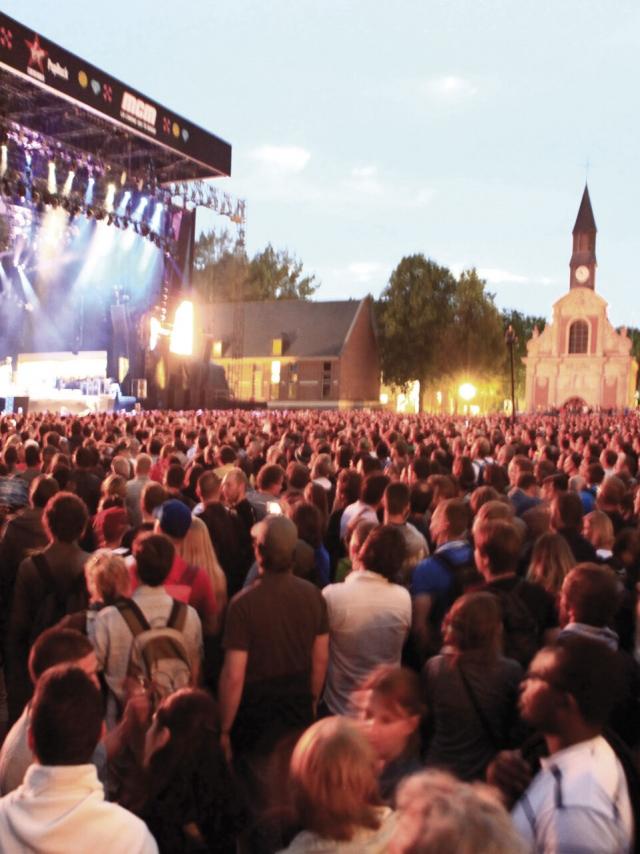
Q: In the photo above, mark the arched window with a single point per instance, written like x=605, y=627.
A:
x=578, y=336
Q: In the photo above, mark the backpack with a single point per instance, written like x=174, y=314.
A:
x=58, y=601
x=464, y=575
x=521, y=630
x=158, y=656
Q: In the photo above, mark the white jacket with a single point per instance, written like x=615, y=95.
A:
x=61, y=809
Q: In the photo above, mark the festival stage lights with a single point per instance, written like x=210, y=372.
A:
x=88, y=196
x=181, y=342
x=124, y=203
x=4, y=159
x=140, y=208
x=68, y=182
x=52, y=184
x=110, y=197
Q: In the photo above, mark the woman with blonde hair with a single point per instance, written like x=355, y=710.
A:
x=598, y=529
x=551, y=560
x=471, y=689
x=197, y=550
x=334, y=787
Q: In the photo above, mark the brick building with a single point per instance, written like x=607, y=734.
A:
x=579, y=358
x=296, y=353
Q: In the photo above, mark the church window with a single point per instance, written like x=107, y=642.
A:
x=578, y=336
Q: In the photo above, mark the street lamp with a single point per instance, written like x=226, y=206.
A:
x=510, y=339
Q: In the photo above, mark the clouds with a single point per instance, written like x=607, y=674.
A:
x=290, y=159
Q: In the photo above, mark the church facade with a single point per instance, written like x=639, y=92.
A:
x=579, y=359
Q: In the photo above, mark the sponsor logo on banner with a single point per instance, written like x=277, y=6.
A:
x=138, y=112
x=37, y=56
x=57, y=70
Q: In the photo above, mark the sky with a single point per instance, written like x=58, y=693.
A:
x=366, y=131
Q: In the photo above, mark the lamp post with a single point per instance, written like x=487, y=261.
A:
x=510, y=340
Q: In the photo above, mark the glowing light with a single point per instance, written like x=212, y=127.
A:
x=4, y=159
x=124, y=201
x=154, y=333
x=68, y=183
x=384, y=398
x=156, y=220
x=137, y=216
x=275, y=371
x=52, y=184
x=88, y=196
x=181, y=342
x=467, y=391
x=110, y=197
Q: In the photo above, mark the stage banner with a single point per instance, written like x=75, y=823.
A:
x=52, y=67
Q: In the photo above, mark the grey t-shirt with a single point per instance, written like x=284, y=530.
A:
x=460, y=742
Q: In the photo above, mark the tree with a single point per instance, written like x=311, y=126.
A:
x=223, y=272
x=473, y=342
x=277, y=275
x=413, y=312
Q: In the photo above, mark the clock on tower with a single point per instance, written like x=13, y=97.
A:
x=583, y=259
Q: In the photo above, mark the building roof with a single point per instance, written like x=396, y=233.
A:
x=309, y=329
x=585, y=220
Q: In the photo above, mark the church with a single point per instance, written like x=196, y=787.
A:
x=579, y=359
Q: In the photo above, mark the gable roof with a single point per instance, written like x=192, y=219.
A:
x=310, y=329
x=585, y=220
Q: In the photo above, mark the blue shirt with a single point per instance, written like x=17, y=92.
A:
x=433, y=577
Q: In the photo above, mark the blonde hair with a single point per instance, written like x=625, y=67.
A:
x=107, y=576
x=551, y=560
x=334, y=780
x=438, y=813
x=197, y=549
x=601, y=534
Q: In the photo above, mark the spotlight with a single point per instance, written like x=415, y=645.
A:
x=52, y=184
x=68, y=183
x=4, y=158
x=109, y=197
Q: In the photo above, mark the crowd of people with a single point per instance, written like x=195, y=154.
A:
x=319, y=631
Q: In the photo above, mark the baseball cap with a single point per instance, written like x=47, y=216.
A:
x=278, y=536
x=174, y=517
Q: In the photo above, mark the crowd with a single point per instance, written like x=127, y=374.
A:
x=319, y=632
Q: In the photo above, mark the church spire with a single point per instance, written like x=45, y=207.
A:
x=585, y=220
x=583, y=259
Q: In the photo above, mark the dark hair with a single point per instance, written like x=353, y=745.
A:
x=499, y=542
x=174, y=477
x=43, y=488
x=65, y=517
x=308, y=520
x=593, y=593
x=569, y=510
x=384, y=551
x=56, y=646
x=349, y=485
x=588, y=670
x=66, y=717
x=226, y=455
x=397, y=498
x=31, y=456
x=153, y=495
x=154, y=555
x=458, y=515
x=297, y=475
x=269, y=475
x=373, y=488
x=526, y=480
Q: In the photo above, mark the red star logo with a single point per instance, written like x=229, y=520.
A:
x=38, y=53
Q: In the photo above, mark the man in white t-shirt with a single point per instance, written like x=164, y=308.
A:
x=579, y=800
x=369, y=617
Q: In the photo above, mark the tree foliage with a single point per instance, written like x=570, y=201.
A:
x=223, y=272
x=523, y=325
x=434, y=327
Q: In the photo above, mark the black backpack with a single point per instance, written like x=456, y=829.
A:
x=464, y=575
x=521, y=630
x=58, y=600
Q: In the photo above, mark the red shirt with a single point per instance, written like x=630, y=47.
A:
x=199, y=594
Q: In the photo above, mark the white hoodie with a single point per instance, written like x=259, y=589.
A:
x=61, y=809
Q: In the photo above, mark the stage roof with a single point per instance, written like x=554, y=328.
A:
x=47, y=89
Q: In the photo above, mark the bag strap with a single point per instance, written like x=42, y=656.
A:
x=133, y=616
x=178, y=616
x=486, y=726
x=189, y=575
